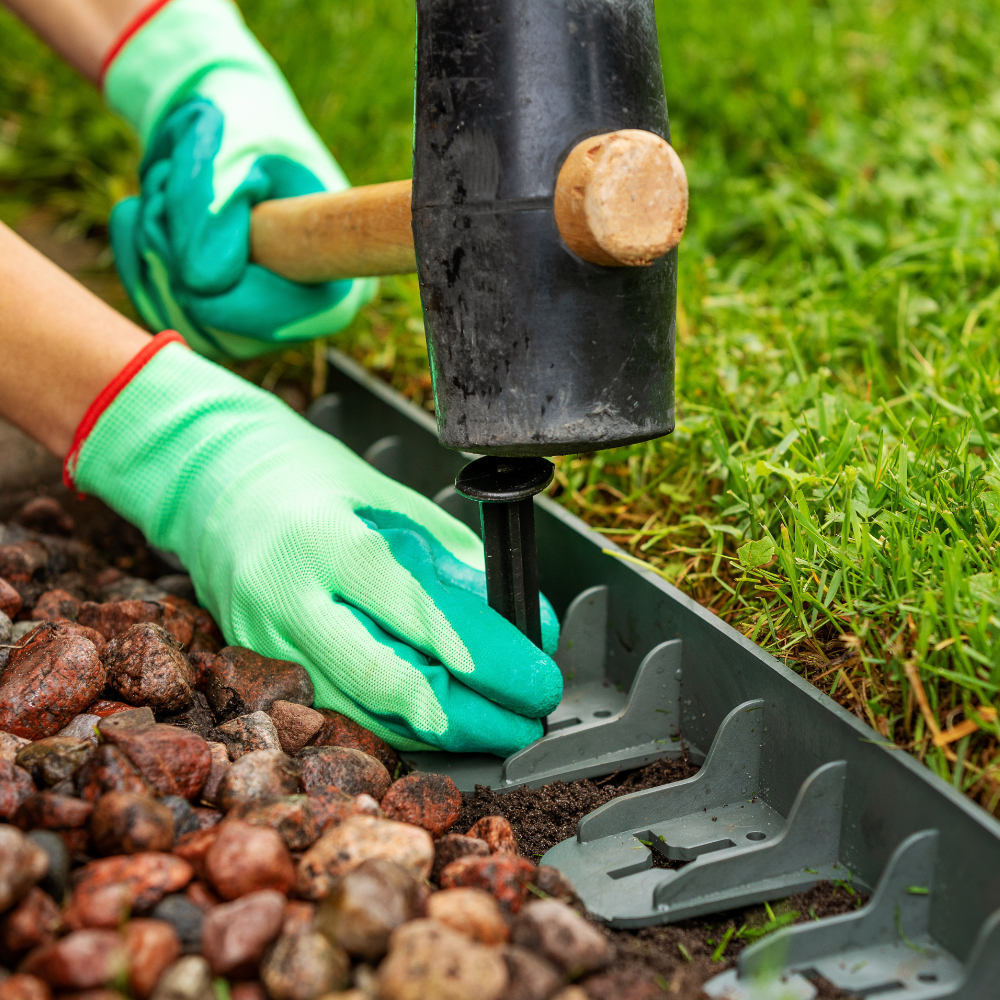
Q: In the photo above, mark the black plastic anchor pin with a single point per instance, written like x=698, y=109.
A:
x=503, y=488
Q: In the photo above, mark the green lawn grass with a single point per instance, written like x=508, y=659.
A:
x=833, y=486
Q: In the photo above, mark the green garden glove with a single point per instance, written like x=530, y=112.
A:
x=221, y=131
x=303, y=551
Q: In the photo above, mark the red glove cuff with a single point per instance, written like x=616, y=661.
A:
x=146, y=14
x=108, y=395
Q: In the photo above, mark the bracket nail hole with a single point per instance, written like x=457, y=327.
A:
x=927, y=977
x=602, y=714
x=756, y=835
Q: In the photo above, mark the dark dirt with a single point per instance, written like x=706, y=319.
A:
x=673, y=960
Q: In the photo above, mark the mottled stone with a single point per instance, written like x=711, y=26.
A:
x=498, y=834
x=340, y=731
x=427, y=959
x=245, y=859
x=53, y=759
x=84, y=960
x=34, y=633
x=246, y=733
x=241, y=681
x=49, y=811
x=115, y=617
x=10, y=599
x=55, y=604
x=24, y=987
x=184, y=916
x=57, y=877
x=365, y=805
x=207, y=817
x=424, y=799
x=193, y=848
x=531, y=977
x=366, y=906
x=235, y=935
x=189, y=978
x=11, y=745
x=47, y=683
x=351, y=771
x=362, y=838
x=104, y=707
x=197, y=716
x=260, y=774
x=107, y=769
x=174, y=761
x=554, y=883
x=452, y=846
x=471, y=912
x=217, y=771
x=22, y=561
x=201, y=662
x=81, y=727
x=185, y=818
x=503, y=876
x=152, y=946
x=330, y=806
x=126, y=823
x=147, y=666
x=304, y=967
x=130, y=883
x=299, y=917
x=296, y=725
x=35, y=921
x=15, y=786
x=45, y=514
x=291, y=816
x=557, y=932
x=119, y=722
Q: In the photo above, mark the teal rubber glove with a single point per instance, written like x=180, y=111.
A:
x=221, y=131
x=303, y=551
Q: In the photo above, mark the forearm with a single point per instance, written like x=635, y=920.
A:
x=81, y=31
x=59, y=345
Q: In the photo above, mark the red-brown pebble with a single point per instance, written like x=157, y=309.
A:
x=103, y=707
x=61, y=628
x=291, y=816
x=245, y=859
x=15, y=786
x=21, y=561
x=127, y=823
x=202, y=896
x=35, y=921
x=260, y=774
x=49, y=811
x=207, y=818
x=22, y=864
x=193, y=848
x=47, y=683
x=45, y=514
x=146, y=665
x=201, y=661
x=352, y=771
x=218, y=769
x=251, y=991
x=55, y=604
x=174, y=761
x=234, y=935
x=340, y=731
x=503, y=876
x=299, y=917
x=115, y=617
x=241, y=681
x=452, y=846
x=424, y=799
x=498, y=834
x=128, y=883
x=296, y=724
x=107, y=769
x=24, y=987
x=152, y=945
x=83, y=960
x=330, y=806
x=10, y=599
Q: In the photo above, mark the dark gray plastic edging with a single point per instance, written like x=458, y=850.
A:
x=888, y=795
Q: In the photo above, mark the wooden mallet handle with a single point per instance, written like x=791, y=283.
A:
x=621, y=200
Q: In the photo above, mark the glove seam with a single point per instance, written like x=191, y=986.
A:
x=108, y=395
x=127, y=33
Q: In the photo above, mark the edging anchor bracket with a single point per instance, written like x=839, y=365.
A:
x=740, y=849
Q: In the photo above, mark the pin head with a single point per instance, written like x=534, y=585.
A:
x=494, y=479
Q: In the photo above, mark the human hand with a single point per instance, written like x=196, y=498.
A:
x=221, y=131
x=302, y=551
